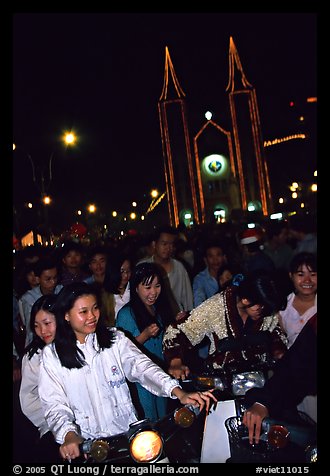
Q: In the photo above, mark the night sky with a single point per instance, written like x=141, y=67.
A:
x=102, y=74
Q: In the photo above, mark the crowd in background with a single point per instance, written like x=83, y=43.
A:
x=148, y=283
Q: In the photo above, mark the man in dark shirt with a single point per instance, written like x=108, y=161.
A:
x=294, y=378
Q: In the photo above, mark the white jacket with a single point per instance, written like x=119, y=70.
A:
x=28, y=394
x=94, y=401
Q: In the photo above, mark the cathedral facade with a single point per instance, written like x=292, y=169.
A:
x=216, y=174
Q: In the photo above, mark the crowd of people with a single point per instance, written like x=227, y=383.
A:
x=104, y=334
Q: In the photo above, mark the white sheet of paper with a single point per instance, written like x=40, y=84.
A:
x=215, y=445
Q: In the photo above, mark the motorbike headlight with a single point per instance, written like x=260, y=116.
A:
x=206, y=381
x=243, y=381
x=99, y=450
x=146, y=446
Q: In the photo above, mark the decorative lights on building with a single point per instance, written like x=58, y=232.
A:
x=268, y=143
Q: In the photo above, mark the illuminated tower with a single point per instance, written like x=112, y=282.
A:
x=250, y=163
x=180, y=169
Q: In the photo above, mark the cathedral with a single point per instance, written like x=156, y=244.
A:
x=216, y=174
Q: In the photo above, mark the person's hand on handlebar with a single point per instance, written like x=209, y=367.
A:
x=70, y=448
x=197, y=399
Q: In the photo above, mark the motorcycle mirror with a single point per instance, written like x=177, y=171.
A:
x=184, y=417
x=99, y=450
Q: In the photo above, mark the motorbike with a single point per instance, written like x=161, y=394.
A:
x=225, y=438
x=145, y=441
x=219, y=436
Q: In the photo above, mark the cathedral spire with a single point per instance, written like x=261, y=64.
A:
x=235, y=61
x=171, y=84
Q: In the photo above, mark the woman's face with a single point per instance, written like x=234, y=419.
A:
x=32, y=279
x=125, y=271
x=45, y=326
x=304, y=281
x=83, y=316
x=148, y=293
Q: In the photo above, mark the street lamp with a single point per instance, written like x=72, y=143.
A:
x=30, y=159
x=91, y=208
x=69, y=139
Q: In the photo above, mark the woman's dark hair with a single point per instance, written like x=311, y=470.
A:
x=144, y=273
x=221, y=270
x=21, y=284
x=303, y=258
x=112, y=276
x=45, y=303
x=263, y=288
x=65, y=341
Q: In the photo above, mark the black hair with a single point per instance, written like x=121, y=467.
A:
x=96, y=250
x=168, y=229
x=221, y=270
x=44, y=264
x=303, y=258
x=214, y=243
x=21, y=284
x=71, y=246
x=45, y=303
x=112, y=277
x=144, y=273
x=65, y=341
x=275, y=228
x=263, y=288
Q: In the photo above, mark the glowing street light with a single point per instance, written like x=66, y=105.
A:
x=46, y=200
x=91, y=208
x=69, y=138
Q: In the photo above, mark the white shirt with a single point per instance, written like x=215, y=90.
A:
x=28, y=394
x=94, y=401
x=292, y=321
x=120, y=301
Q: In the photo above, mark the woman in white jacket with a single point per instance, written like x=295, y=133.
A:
x=43, y=328
x=82, y=383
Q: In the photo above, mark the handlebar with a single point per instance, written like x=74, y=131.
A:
x=125, y=446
